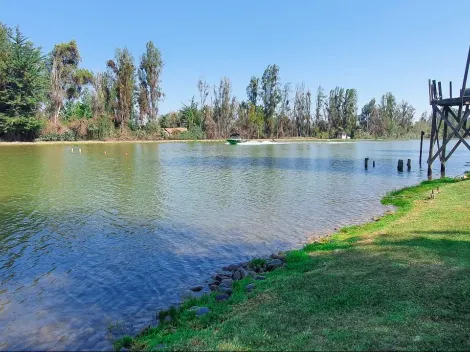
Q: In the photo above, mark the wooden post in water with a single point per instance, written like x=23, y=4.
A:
x=366, y=163
x=400, y=165
x=444, y=138
x=408, y=165
x=421, y=148
x=373, y=163
x=431, y=142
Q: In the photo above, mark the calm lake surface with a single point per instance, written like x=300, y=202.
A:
x=89, y=240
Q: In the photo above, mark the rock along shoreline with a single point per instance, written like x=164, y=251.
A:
x=222, y=282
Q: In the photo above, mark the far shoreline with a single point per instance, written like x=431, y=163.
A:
x=158, y=141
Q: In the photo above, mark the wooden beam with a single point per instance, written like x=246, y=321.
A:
x=431, y=140
x=429, y=91
x=453, y=101
x=440, y=89
x=437, y=134
x=466, y=134
x=455, y=132
x=421, y=148
x=444, y=137
x=450, y=89
x=464, y=83
x=434, y=90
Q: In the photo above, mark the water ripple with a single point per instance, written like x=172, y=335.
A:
x=92, y=239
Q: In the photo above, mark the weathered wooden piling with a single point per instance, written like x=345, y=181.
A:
x=421, y=148
x=373, y=163
x=366, y=163
x=452, y=113
x=400, y=165
x=408, y=164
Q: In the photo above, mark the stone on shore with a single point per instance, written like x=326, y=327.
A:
x=187, y=294
x=233, y=267
x=243, y=272
x=236, y=276
x=213, y=287
x=222, y=297
x=259, y=277
x=220, y=277
x=196, y=288
x=249, y=287
x=201, y=311
x=227, y=290
x=274, y=264
x=277, y=262
x=252, y=273
x=226, y=283
x=167, y=319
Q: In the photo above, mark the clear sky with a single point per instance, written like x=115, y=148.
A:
x=374, y=46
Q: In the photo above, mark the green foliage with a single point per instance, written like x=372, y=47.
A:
x=123, y=76
x=124, y=342
x=22, y=85
x=195, y=133
x=170, y=120
x=252, y=90
x=190, y=116
x=19, y=127
x=100, y=128
x=78, y=109
x=58, y=137
x=389, y=119
x=172, y=312
x=118, y=99
x=258, y=262
x=152, y=127
x=256, y=119
x=64, y=76
x=133, y=125
x=271, y=95
x=151, y=65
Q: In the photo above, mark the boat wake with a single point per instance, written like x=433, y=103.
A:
x=259, y=143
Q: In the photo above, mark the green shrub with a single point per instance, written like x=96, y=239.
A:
x=133, y=125
x=100, y=128
x=152, y=127
x=20, y=128
x=194, y=133
x=56, y=137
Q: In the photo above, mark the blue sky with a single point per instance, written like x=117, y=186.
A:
x=373, y=46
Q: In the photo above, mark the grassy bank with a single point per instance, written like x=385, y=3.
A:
x=402, y=282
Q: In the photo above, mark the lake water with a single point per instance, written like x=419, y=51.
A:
x=89, y=240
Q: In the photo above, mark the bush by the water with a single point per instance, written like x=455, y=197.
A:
x=20, y=128
x=194, y=133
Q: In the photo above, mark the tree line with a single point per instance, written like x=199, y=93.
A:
x=49, y=96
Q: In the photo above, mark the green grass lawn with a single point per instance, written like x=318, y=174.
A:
x=401, y=283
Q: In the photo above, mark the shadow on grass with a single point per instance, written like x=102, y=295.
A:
x=442, y=232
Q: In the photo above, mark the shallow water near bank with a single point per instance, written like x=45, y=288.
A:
x=91, y=242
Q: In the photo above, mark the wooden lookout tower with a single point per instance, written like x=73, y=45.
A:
x=452, y=114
